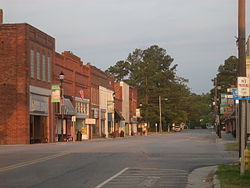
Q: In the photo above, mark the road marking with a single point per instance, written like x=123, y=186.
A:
x=27, y=163
x=147, y=177
x=111, y=178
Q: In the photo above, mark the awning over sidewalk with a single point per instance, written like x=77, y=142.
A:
x=118, y=115
x=68, y=107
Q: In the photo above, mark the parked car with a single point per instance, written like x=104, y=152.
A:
x=177, y=128
x=210, y=126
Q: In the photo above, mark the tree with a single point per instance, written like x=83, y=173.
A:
x=227, y=73
x=120, y=70
x=200, y=112
x=152, y=73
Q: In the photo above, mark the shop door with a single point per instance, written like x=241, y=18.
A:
x=38, y=129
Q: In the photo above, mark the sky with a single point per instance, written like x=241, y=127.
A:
x=198, y=34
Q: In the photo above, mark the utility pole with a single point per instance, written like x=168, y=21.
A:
x=160, y=125
x=217, y=107
x=242, y=73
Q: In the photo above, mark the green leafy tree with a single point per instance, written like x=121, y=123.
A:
x=152, y=72
x=227, y=74
x=200, y=112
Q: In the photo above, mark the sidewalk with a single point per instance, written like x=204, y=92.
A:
x=205, y=177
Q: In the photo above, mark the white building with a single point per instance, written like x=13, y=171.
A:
x=125, y=107
x=106, y=105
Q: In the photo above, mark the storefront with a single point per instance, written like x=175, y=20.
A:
x=66, y=128
x=82, y=112
x=95, y=128
x=118, y=118
x=39, y=115
x=133, y=122
x=104, y=131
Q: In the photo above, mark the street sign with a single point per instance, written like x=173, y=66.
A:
x=73, y=119
x=243, y=86
x=235, y=93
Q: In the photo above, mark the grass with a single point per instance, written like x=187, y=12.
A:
x=229, y=176
x=234, y=146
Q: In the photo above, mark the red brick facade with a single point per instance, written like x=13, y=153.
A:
x=118, y=96
x=76, y=75
x=17, y=41
x=29, y=66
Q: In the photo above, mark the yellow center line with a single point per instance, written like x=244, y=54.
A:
x=19, y=165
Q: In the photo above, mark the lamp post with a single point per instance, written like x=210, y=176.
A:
x=61, y=77
x=160, y=124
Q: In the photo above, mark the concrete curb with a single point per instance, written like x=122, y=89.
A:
x=216, y=182
x=203, y=178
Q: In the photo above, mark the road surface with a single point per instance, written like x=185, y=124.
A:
x=162, y=160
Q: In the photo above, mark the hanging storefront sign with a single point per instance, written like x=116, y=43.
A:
x=90, y=121
x=110, y=106
x=55, y=93
x=95, y=113
x=243, y=86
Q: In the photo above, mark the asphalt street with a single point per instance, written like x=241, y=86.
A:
x=162, y=160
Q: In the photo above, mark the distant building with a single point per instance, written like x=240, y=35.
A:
x=75, y=93
x=102, y=91
x=29, y=67
x=132, y=109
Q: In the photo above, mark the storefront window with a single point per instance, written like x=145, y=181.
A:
x=81, y=107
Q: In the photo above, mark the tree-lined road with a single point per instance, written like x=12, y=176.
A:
x=149, y=161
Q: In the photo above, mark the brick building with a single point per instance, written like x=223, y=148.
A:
x=76, y=95
x=118, y=107
x=29, y=67
x=26, y=58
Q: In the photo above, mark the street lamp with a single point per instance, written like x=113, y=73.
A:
x=61, y=77
x=160, y=125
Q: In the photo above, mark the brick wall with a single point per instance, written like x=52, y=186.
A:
x=13, y=85
x=118, y=96
x=16, y=43
x=76, y=76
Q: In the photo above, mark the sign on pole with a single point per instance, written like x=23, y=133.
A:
x=235, y=93
x=243, y=86
x=73, y=118
x=55, y=93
